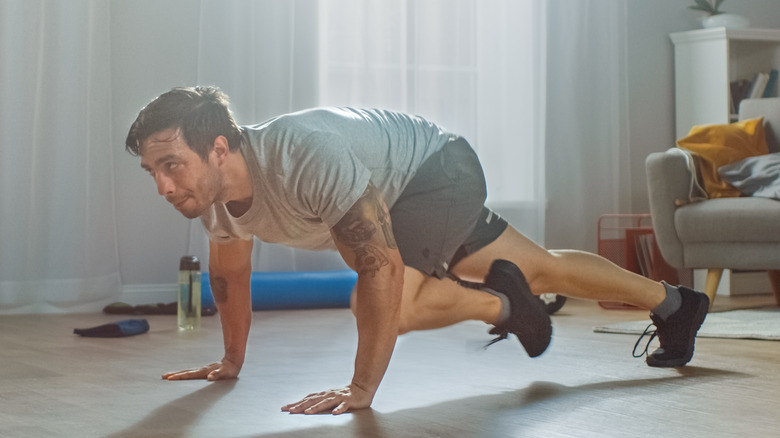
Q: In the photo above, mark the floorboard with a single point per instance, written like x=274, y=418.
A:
x=441, y=383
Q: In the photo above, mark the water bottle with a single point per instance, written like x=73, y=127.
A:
x=189, y=293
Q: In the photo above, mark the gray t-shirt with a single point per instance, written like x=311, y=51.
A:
x=308, y=168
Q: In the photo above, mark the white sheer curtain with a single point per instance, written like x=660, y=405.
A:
x=58, y=246
x=476, y=67
x=263, y=54
x=586, y=138
x=537, y=86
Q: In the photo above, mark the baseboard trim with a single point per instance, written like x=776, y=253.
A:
x=135, y=294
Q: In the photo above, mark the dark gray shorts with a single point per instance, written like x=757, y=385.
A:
x=441, y=217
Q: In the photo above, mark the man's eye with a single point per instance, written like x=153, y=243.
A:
x=171, y=166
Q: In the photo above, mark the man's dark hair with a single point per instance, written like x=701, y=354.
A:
x=200, y=113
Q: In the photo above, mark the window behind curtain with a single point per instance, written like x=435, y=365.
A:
x=473, y=67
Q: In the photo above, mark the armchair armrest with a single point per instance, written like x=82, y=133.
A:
x=670, y=181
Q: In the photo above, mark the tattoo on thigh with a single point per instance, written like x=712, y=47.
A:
x=219, y=289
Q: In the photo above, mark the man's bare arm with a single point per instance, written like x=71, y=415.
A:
x=365, y=240
x=230, y=271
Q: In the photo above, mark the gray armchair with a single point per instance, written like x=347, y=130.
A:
x=721, y=233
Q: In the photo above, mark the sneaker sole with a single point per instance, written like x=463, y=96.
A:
x=701, y=314
x=529, y=320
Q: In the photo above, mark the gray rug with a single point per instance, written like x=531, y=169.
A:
x=736, y=324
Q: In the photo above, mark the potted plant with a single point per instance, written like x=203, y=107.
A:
x=717, y=18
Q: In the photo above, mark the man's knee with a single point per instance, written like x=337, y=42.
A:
x=550, y=274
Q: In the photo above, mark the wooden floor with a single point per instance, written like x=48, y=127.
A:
x=440, y=383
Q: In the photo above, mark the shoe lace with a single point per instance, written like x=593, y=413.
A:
x=648, y=332
x=502, y=334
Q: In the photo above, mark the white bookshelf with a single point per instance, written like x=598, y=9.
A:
x=706, y=61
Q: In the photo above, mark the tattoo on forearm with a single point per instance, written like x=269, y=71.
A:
x=369, y=260
x=219, y=289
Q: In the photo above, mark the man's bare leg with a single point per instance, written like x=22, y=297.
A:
x=430, y=303
x=571, y=273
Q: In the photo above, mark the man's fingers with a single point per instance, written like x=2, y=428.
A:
x=303, y=403
x=190, y=374
x=322, y=406
x=337, y=401
x=309, y=405
x=341, y=408
x=176, y=375
x=183, y=375
x=299, y=407
x=288, y=408
x=173, y=373
x=318, y=404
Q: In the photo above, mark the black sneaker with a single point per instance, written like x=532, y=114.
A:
x=678, y=333
x=528, y=318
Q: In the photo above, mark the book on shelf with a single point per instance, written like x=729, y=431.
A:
x=759, y=83
x=769, y=89
x=739, y=91
x=763, y=84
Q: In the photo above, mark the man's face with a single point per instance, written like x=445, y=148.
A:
x=182, y=177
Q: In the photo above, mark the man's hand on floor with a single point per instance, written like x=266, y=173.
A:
x=216, y=371
x=337, y=401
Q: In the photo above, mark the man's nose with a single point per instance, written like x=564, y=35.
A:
x=165, y=184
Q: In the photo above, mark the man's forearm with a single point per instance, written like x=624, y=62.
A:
x=377, y=312
x=234, y=304
x=365, y=240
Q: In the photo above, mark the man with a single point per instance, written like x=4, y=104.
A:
x=402, y=200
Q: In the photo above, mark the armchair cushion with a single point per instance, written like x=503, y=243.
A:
x=755, y=176
x=719, y=145
x=745, y=220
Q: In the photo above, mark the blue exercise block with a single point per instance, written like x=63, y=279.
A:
x=293, y=290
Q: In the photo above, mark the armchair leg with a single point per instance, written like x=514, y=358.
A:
x=774, y=278
x=712, y=282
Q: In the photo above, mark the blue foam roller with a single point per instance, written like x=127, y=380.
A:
x=294, y=290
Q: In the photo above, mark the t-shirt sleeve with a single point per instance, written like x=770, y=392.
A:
x=325, y=178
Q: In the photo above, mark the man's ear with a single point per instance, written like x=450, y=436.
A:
x=219, y=150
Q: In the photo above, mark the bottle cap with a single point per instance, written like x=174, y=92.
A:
x=189, y=263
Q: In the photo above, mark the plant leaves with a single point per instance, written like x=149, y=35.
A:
x=706, y=6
